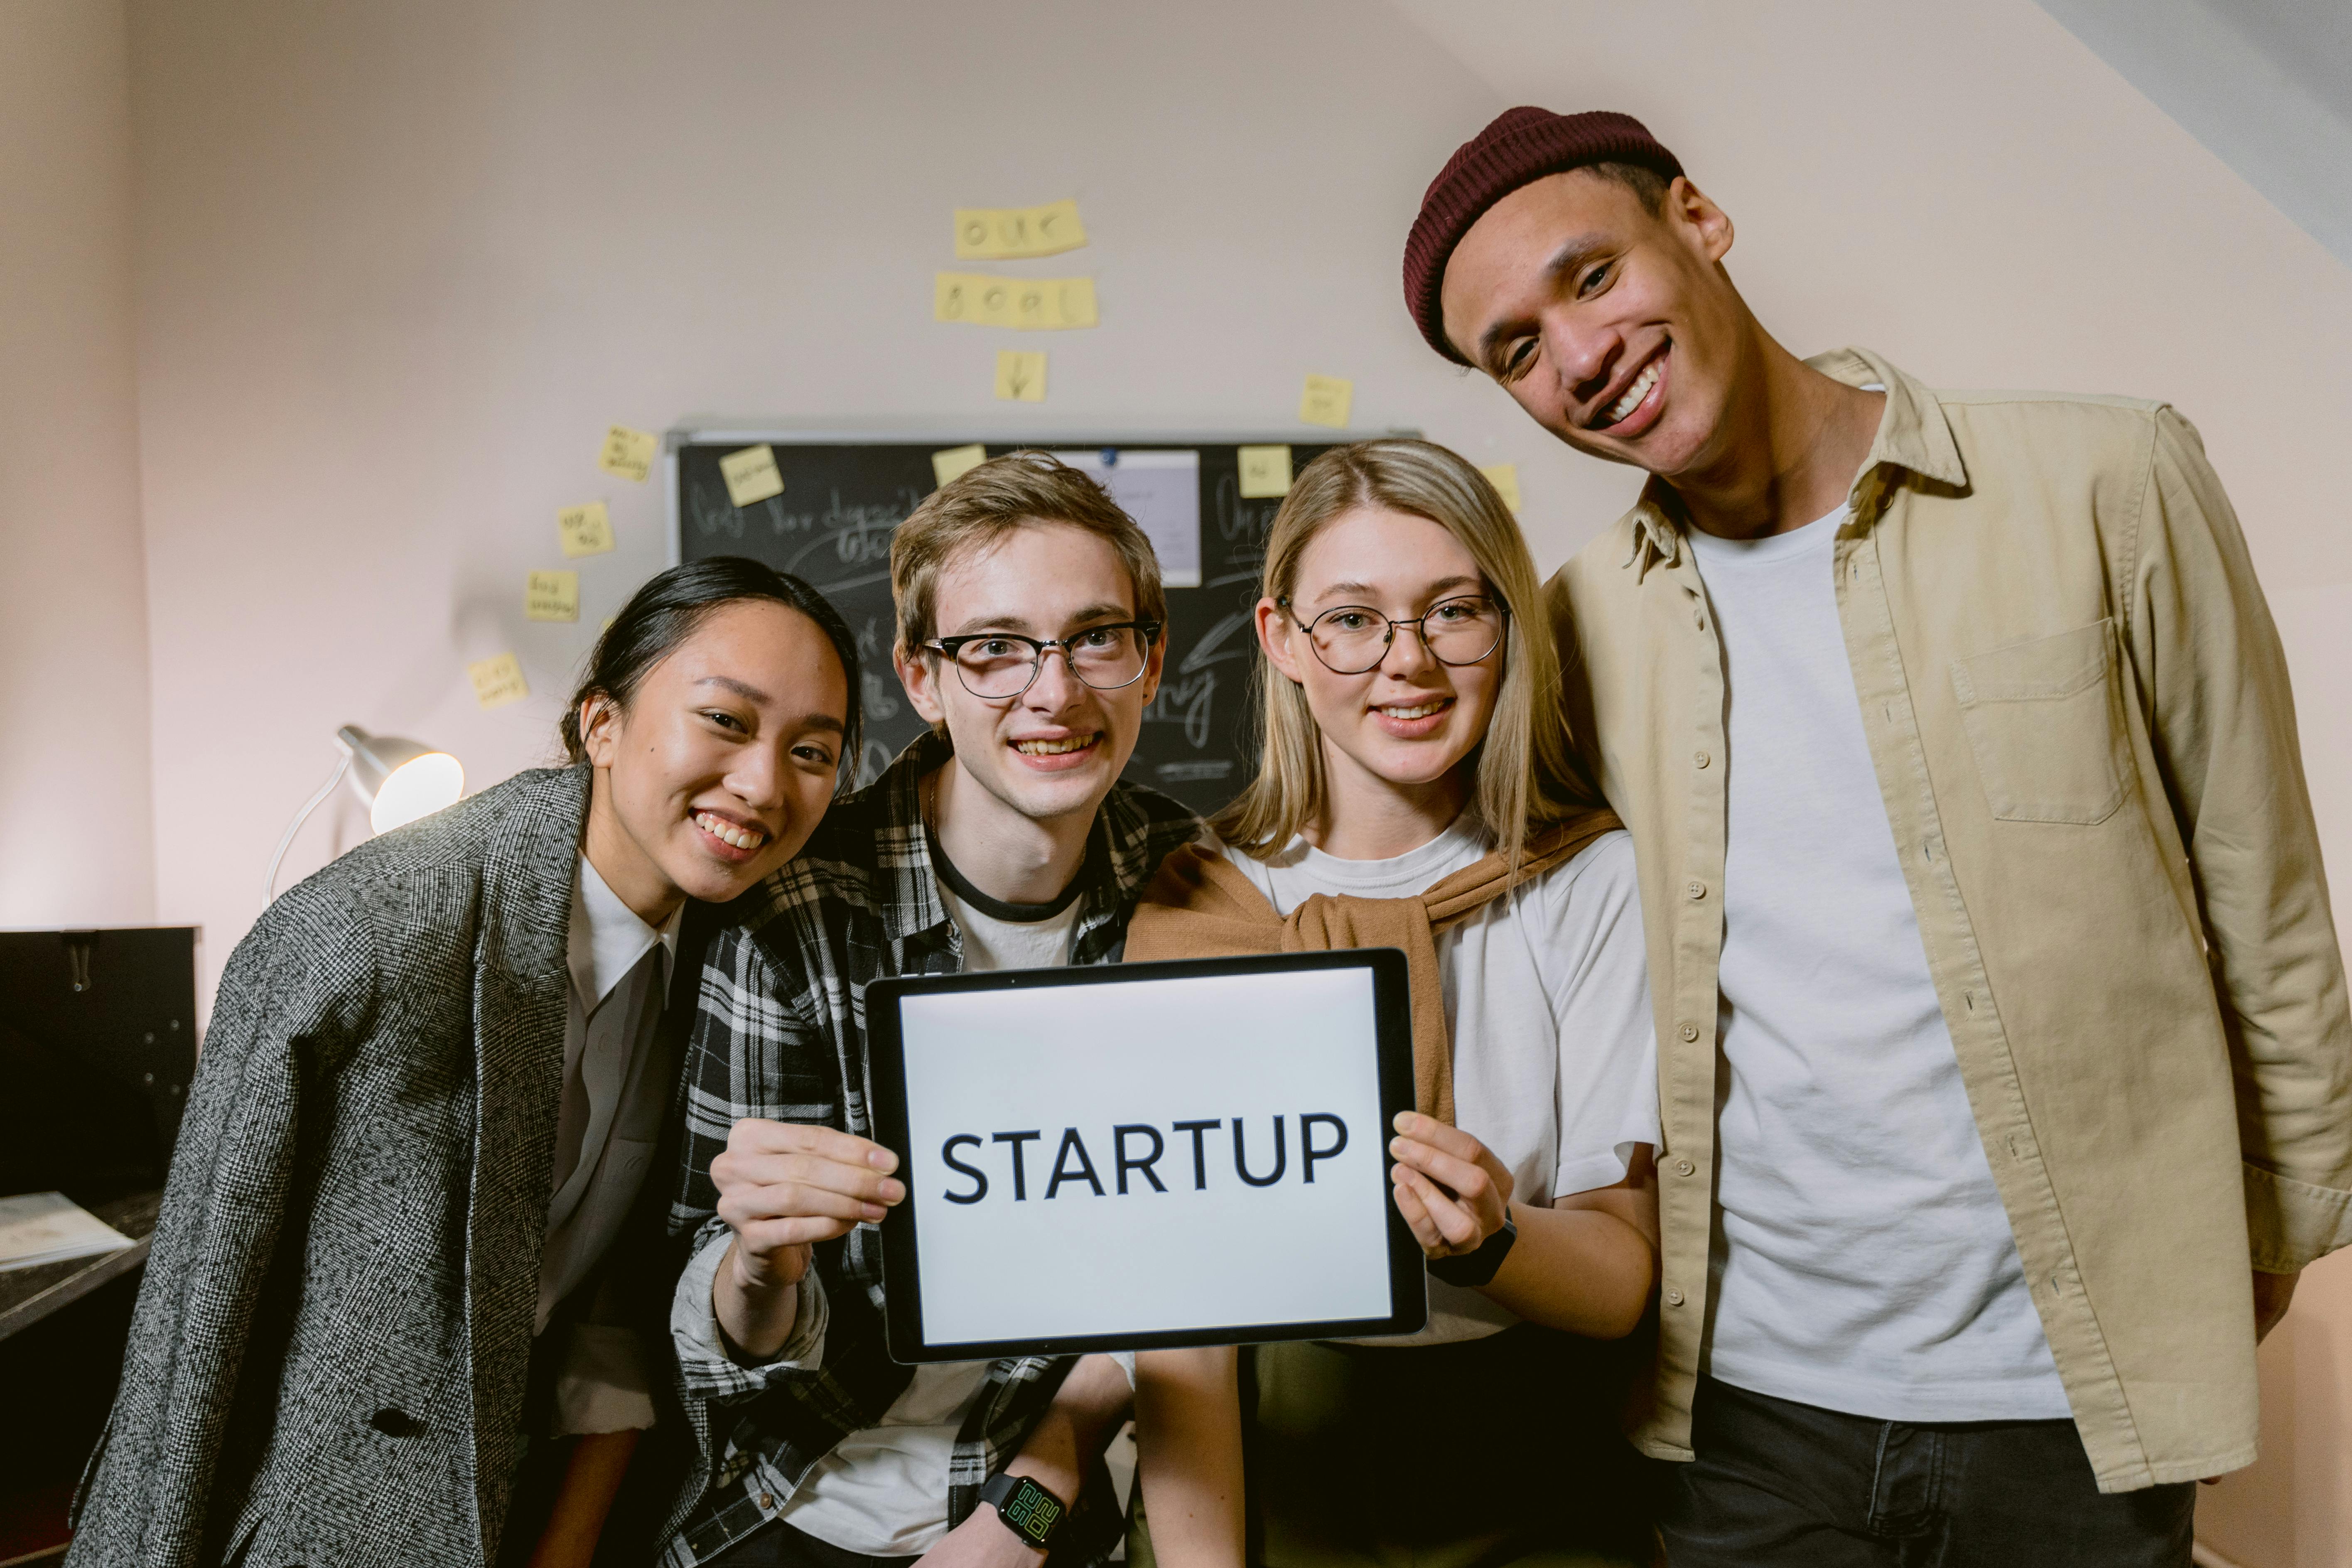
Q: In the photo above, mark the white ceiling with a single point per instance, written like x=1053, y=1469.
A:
x=2266, y=85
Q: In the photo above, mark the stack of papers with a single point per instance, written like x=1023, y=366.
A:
x=49, y=1227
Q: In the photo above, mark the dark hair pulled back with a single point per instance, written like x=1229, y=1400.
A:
x=662, y=615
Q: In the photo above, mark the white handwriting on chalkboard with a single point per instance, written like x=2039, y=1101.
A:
x=1219, y=643
x=1189, y=700
x=881, y=697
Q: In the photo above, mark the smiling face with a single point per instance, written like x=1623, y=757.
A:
x=1615, y=328
x=719, y=765
x=1409, y=722
x=1057, y=749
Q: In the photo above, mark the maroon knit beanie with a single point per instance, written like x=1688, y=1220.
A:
x=1519, y=147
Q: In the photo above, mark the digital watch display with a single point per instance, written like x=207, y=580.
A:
x=1028, y=1510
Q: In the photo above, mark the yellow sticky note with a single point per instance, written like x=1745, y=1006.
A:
x=1505, y=477
x=750, y=474
x=628, y=454
x=1036, y=304
x=551, y=596
x=1326, y=400
x=1266, y=472
x=993, y=301
x=957, y=461
x=584, y=530
x=1021, y=375
x=498, y=681
x=995, y=233
x=1032, y=304
x=1074, y=301
x=1057, y=227
x=951, y=297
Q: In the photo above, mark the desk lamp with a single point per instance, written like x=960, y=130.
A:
x=398, y=781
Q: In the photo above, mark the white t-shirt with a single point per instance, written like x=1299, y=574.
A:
x=884, y=1491
x=1548, y=1002
x=1864, y=1263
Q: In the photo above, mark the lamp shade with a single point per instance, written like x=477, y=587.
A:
x=399, y=779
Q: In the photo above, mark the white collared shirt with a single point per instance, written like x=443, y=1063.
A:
x=615, y=1093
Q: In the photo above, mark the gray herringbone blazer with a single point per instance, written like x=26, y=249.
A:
x=332, y=1344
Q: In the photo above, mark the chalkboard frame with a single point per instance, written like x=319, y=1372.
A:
x=1200, y=737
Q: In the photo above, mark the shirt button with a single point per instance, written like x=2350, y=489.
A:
x=1700, y=758
x=1695, y=890
x=1684, y=1168
x=1690, y=1031
x=767, y=1499
x=1674, y=1297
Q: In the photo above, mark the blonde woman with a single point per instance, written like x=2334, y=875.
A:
x=1417, y=790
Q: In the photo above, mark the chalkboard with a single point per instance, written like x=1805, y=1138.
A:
x=831, y=527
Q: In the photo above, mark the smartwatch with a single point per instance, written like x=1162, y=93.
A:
x=1028, y=1510
x=1480, y=1266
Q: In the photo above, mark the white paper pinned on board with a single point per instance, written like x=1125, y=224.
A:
x=1162, y=490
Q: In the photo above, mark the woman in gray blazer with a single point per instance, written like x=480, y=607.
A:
x=403, y=1304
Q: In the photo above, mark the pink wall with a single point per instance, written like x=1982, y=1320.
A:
x=396, y=267
x=77, y=836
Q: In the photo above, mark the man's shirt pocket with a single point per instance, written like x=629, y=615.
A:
x=2044, y=720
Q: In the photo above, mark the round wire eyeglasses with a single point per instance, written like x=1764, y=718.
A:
x=1354, y=639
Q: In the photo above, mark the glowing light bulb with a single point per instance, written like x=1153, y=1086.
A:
x=418, y=787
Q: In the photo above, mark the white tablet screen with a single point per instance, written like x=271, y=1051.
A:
x=1125, y=1158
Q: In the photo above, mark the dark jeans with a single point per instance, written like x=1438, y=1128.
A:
x=1478, y=1454
x=776, y=1544
x=1777, y=1482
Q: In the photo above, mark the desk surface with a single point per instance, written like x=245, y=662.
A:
x=28, y=1295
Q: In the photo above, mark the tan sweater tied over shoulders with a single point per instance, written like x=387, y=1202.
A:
x=1200, y=906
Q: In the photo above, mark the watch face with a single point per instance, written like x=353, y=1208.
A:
x=1031, y=1510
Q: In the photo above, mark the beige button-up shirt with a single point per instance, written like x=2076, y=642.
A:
x=2077, y=710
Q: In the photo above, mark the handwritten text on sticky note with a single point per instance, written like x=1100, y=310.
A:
x=1021, y=375
x=1505, y=477
x=1028, y=304
x=1326, y=400
x=584, y=530
x=551, y=596
x=497, y=680
x=751, y=475
x=628, y=454
x=993, y=234
x=1266, y=472
x=957, y=461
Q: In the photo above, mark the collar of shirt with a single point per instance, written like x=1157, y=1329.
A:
x=1912, y=437
x=608, y=939
x=1124, y=848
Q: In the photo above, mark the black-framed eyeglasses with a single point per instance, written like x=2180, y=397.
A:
x=1354, y=639
x=996, y=666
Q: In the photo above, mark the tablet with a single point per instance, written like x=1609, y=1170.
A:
x=1135, y=1156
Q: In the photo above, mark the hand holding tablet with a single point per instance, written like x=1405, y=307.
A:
x=784, y=1186
x=1450, y=1187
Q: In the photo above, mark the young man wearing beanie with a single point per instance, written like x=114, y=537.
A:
x=2007, y=1074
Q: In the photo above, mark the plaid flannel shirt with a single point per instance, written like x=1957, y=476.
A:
x=780, y=1033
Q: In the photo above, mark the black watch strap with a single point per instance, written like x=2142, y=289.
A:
x=1473, y=1269
x=1028, y=1510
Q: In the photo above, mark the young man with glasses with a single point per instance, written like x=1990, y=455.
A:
x=2007, y=1065
x=1029, y=612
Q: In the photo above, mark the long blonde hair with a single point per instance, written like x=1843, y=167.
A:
x=1526, y=775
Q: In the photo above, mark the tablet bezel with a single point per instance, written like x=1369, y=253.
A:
x=887, y=1070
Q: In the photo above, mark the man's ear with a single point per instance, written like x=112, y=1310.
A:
x=1154, y=663
x=1693, y=210
x=921, y=677
x=1274, y=628
x=600, y=721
